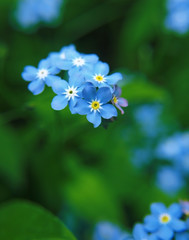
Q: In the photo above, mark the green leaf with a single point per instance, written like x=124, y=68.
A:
x=21, y=220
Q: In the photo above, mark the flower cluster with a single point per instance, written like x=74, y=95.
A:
x=178, y=16
x=90, y=89
x=163, y=224
x=31, y=12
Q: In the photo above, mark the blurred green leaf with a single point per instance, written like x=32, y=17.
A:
x=21, y=220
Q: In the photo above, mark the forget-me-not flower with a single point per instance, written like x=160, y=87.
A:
x=98, y=75
x=139, y=233
x=76, y=61
x=117, y=100
x=67, y=93
x=95, y=104
x=165, y=221
x=38, y=77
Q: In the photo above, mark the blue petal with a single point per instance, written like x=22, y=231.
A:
x=101, y=68
x=182, y=236
x=90, y=58
x=44, y=63
x=151, y=223
x=165, y=233
x=139, y=232
x=72, y=104
x=82, y=107
x=54, y=70
x=95, y=118
x=64, y=64
x=36, y=87
x=89, y=93
x=114, y=78
x=59, y=86
x=108, y=111
x=59, y=102
x=29, y=73
x=175, y=210
x=104, y=95
x=158, y=208
x=178, y=225
x=76, y=79
x=51, y=79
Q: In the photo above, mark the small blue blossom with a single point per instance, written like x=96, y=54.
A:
x=38, y=77
x=98, y=75
x=32, y=12
x=76, y=61
x=165, y=222
x=169, y=180
x=185, y=207
x=95, y=104
x=178, y=16
x=68, y=93
x=139, y=233
x=108, y=231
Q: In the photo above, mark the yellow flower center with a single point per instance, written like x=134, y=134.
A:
x=114, y=99
x=165, y=218
x=95, y=105
x=99, y=78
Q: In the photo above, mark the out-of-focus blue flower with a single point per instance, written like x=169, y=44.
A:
x=68, y=93
x=38, y=77
x=117, y=100
x=165, y=222
x=108, y=231
x=32, y=12
x=95, y=104
x=98, y=75
x=139, y=233
x=76, y=61
x=148, y=118
x=169, y=180
x=178, y=16
x=176, y=149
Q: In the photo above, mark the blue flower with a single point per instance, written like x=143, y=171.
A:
x=95, y=104
x=68, y=93
x=178, y=16
x=32, y=12
x=98, y=75
x=164, y=222
x=59, y=57
x=139, y=233
x=185, y=207
x=76, y=61
x=40, y=76
x=108, y=231
x=169, y=180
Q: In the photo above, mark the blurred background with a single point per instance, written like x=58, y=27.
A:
x=81, y=174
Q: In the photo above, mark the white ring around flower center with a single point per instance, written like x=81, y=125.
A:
x=164, y=218
x=99, y=78
x=42, y=73
x=71, y=92
x=78, y=62
x=95, y=105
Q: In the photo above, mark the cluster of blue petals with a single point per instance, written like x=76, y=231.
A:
x=163, y=224
x=178, y=16
x=31, y=12
x=90, y=89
